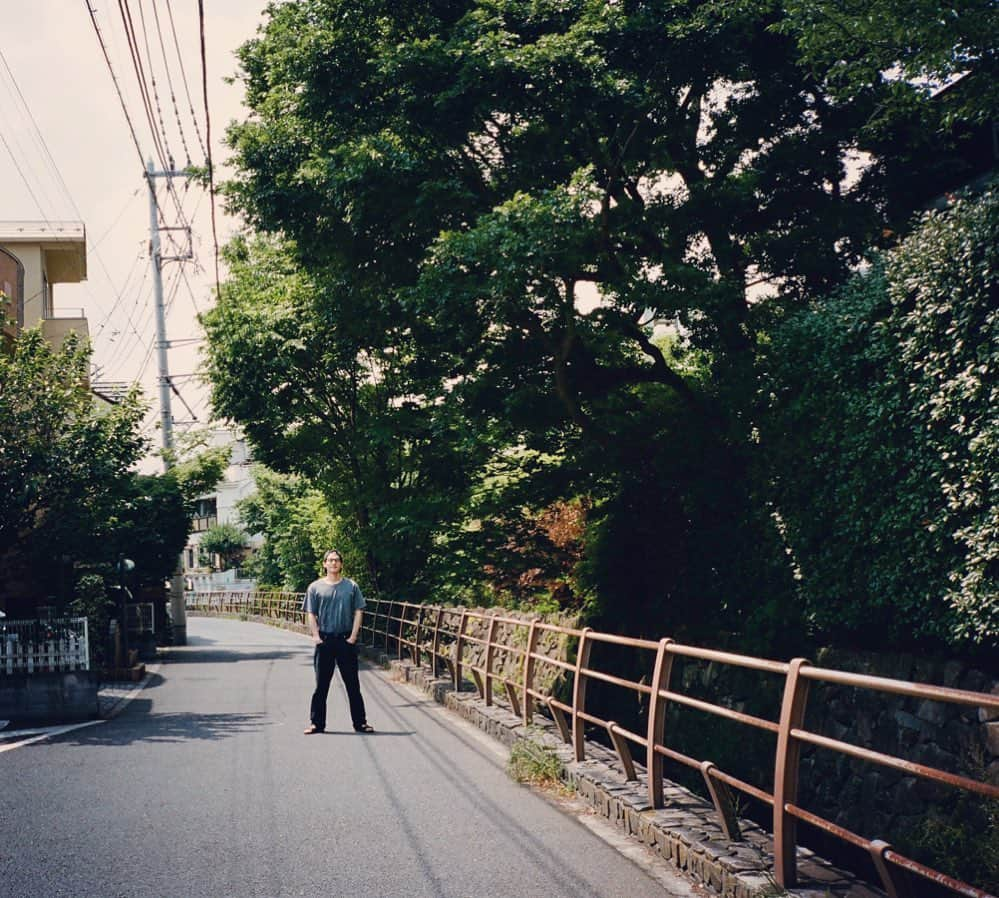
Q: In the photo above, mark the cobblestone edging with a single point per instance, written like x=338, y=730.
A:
x=684, y=832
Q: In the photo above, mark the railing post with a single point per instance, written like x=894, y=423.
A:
x=457, y=649
x=558, y=715
x=374, y=621
x=438, y=620
x=86, y=645
x=721, y=797
x=490, y=633
x=579, y=694
x=657, y=722
x=786, y=770
x=623, y=750
x=419, y=635
x=527, y=704
x=892, y=884
x=402, y=624
x=512, y=697
x=388, y=618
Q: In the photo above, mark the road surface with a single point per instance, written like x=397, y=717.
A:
x=204, y=785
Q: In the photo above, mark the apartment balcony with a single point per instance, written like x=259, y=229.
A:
x=55, y=329
x=201, y=524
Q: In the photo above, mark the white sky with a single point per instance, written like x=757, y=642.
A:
x=56, y=60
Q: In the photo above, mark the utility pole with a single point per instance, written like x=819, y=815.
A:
x=178, y=612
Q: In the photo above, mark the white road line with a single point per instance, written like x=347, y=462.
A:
x=47, y=733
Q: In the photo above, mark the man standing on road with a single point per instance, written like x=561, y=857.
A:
x=333, y=609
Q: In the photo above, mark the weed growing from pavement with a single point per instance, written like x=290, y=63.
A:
x=537, y=766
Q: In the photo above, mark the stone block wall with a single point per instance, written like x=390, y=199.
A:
x=878, y=801
x=49, y=697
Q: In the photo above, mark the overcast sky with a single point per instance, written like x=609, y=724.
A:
x=56, y=62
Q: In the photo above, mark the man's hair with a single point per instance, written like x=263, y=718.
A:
x=329, y=552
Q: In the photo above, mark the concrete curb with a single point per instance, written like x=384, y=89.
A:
x=113, y=697
x=684, y=833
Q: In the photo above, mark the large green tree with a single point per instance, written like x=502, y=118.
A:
x=916, y=45
x=523, y=188
x=500, y=201
x=298, y=527
x=322, y=392
x=64, y=461
x=507, y=157
x=70, y=500
x=225, y=540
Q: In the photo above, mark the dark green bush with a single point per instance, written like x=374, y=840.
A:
x=883, y=436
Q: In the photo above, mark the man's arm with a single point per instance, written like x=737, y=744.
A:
x=313, y=623
x=355, y=631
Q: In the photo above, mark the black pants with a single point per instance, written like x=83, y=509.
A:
x=331, y=651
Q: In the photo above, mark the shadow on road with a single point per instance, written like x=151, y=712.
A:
x=377, y=734
x=167, y=728
x=195, y=655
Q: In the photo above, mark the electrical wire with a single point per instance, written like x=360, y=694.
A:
x=173, y=94
x=158, y=134
x=24, y=178
x=120, y=293
x=183, y=75
x=118, y=218
x=208, y=133
x=152, y=81
x=140, y=76
x=114, y=78
x=24, y=111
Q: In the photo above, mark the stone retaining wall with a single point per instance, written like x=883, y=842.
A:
x=871, y=799
x=48, y=697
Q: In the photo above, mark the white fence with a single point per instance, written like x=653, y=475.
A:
x=44, y=646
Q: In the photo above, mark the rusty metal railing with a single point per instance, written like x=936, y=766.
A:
x=498, y=650
x=270, y=605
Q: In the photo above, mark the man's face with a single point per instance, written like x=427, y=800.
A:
x=333, y=564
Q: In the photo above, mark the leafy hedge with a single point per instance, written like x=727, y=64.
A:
x=883, y=432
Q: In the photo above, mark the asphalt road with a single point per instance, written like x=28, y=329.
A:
x=205, y=786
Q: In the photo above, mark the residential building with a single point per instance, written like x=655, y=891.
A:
x=219, y=507
x=34, y=257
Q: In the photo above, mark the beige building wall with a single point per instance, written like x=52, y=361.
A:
x=49, y=253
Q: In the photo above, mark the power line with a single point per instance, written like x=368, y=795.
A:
x=118, y=218
x=25, y=110
x=176, y=392
x=173, y=95
x=61, y=182
x=208, y=132
x=130, y=327
x=120, y=294
x=149, y=81
x=152, y=343
x=114, y=78
x=17, y=165
x=183, y=75
x=140, y=76
x=160, y=136
x=156, y=93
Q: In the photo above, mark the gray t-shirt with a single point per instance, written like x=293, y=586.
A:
x=334, y=604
